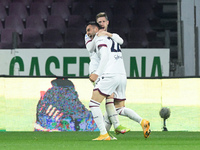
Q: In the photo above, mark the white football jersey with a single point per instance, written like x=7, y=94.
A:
x=94, y=59
x=115, y=64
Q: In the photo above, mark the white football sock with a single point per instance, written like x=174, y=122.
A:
x=123, y=111
x=97, y=116
x=112, y=113
x=107, y=122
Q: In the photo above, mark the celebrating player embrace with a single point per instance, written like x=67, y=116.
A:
x=108, y=73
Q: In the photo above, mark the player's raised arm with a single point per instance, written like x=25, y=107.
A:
x=114, y=36
x=117, y=38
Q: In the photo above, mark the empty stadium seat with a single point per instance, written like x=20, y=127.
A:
x=31, y=38
x=35, y=22
x=74, y=36
x=7, y=39
x=14, y=22
x=76, y=21
x=52, y=38
x=18, y=9
x=83, y=9
x=40, y=9
x=56, y=22
x=60, y=9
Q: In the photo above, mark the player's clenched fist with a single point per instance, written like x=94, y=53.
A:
x=93, y=77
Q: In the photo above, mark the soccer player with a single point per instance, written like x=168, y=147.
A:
x=107, y=82
x=102, y=20
x=94, y=62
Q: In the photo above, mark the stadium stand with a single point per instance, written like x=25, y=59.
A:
x=141, y=23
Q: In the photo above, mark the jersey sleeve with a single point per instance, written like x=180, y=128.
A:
x=102, y=51
x=117, y=38
x=89, y=43
x=100, y=42
x=104, y=58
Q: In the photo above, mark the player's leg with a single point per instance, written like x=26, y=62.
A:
x=122, y=110
x=107, y=85
x=131, y=114
x=112, y=113
x=94, y=105
x=127, y=112
x=108, y=125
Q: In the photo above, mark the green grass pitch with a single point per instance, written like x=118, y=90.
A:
x=167, y=140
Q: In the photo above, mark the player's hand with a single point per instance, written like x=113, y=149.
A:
x=93, y=77
x=102, y=33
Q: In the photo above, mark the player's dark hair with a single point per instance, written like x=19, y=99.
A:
x=94, y=23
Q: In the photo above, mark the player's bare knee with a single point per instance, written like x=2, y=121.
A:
x=119, y=104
